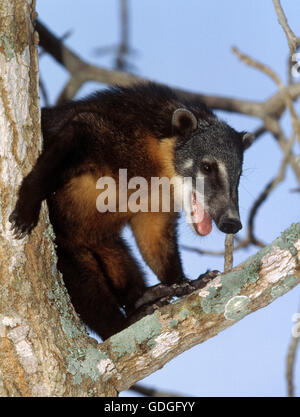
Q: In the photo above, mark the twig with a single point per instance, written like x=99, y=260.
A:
x=293, y=41
x=258, y=133
x=270, y=187
x=291, y=359
x=44, y=92
x=290, y=363
x=282, y=89
x=258, y=65
x=228, y=258
x=152, y=392
x=241, y=245
x=273, y=126
x=123, y=49
x=80, y=71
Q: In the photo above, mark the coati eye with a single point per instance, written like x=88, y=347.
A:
x=206, y=168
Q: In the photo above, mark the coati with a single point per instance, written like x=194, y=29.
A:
x=151, y=131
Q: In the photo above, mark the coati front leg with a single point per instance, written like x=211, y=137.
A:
x=155, y=234
x=43, y=180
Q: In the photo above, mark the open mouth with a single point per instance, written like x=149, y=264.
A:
x=201, y=219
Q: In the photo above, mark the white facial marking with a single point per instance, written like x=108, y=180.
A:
x=224, y=175
x=199, y=174
x=188, y=164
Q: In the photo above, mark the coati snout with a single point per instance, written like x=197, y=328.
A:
x=230, y=224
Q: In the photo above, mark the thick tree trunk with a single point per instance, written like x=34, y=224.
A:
x=38, y=326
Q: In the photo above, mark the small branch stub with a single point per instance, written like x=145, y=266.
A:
x=228, y=258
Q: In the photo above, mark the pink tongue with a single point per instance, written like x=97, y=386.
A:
x=201, y=218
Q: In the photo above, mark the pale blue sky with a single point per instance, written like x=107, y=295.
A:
x=188, y=44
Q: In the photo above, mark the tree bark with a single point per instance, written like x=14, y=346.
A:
x=44, y=348
x=39, y=330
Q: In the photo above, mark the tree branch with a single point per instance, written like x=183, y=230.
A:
x=228, y=261
x=293, y=41
x=149, y=343
x=290, y=363
x=81, y=72
x=152, y=392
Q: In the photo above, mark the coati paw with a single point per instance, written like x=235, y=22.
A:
x=161, y=291
x=160, y=295
x=203, y=279
x=23, y=221
x=148, y=308
x=153, y=294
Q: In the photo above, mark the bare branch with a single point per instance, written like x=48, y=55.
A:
x=282, y=89
x=290, y=363
x=270, y=187
x=293, y=41
x=273, y=126
x=273, y=107
x=44, y=92
x=243, y=244
x=123, y=49
x=228, y=261
x=152, y=392
x=258, y=65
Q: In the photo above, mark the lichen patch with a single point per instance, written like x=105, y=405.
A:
x=277, y=265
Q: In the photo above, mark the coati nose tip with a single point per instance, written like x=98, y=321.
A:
x=230, y=225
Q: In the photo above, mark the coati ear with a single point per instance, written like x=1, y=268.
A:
x=184, y=122
x=247, y=139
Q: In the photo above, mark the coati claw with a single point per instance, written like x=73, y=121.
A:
x=19, y=226
x=153, y=294
x=160, y=291
x=160, y=295
x=204, y=279
x=147, y=309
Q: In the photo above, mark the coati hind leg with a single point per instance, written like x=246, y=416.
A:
x=125, y=275
x=90, y=292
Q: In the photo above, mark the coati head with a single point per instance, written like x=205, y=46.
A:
x=211, y=153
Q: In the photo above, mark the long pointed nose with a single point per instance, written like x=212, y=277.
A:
x=229, y=223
